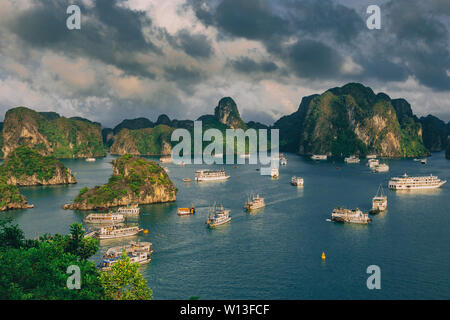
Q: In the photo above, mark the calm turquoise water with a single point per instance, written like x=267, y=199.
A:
x=275, y=254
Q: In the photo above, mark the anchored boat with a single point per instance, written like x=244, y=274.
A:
x=413, y=183
x=210, y=175
x=379, y=202
x=297, y=181
x=185, y=211
x=382, y=167
x=166, y=159
x=319, y=157
x=350, y=216
x=352, y=159
x=110, y=218
x=372, y=163
x=115, y=231
x=135, y=257
x=274, y=173
x=218, y=216
x=90, y=159
x=256, y=202
x=132, y=210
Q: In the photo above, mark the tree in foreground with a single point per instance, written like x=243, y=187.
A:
x=124, y=282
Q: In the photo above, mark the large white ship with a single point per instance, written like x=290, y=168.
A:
x=413, y=183
x=210, y=175
x=350, y=216
x=114, y=231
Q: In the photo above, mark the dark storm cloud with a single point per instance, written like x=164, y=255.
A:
x=247, y=65
x=315, y=60
x=195, y=45
x=185, y=78
x=109, y=33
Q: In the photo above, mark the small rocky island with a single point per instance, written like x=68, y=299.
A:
x=134, y=180
x=26, y=167
x=10, y=197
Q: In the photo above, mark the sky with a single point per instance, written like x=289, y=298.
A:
x=142, y=58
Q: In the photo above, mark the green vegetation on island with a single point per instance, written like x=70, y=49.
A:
x=25, y=167
x=50, y=134
x=134, y=180
x=37, y=269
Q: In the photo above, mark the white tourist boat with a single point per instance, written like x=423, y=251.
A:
x=166, y=169
x=101, y=218
x=372, y=163
x=379, y=202
x=274, y=173
x=137, y=251
x=256, y=202
x=382, y=167
x=130, y=210
x=406, y=182
x=210, y=175
x=350, y=216
x=166, y=159
x=115, y=231
x=371, y=156
x=352, y=159
x=423, y=161
x=90, y=159
x=319, y=157
x=218, y=216
x=283, y=161
x=297, y=181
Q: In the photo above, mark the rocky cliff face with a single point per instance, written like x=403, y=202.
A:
x=227, y=113
x=134, y=180
x=352, y=120
x=26, y=167
x=435, y=133
x=149, y=141
x=51, y=135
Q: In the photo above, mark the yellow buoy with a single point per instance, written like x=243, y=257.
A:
x=323, y=255
x=146, y=231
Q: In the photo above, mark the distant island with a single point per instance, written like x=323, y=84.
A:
x=342, y=121
x=134, y=180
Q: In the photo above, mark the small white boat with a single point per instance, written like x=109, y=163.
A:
x=185, y=211
x=90, y=159
x=283, y=161
x=372, y=163
x=166, y=169
x=254, y=203
x=131, y=210
x=423, y=161
x=115, y=231
x=274, y=173
x=382, y=167
x=352, y=159
x=218, y=216
x=371, y=156
x=166, y=159
x=319, y=157
x=379, y=202
x=100, y=218
x=297, y=181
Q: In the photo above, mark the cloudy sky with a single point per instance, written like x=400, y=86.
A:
x=136, y=58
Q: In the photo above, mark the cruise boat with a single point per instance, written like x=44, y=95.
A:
x=185, y=211
x=165, y=159
x=111, y=257
x=319, y=157
x=379, y=202
x=297, y=181
x=352, y=159
x=283, y=161
x=131, y=210
x=382, y=167
x=371, y=156
x=210, y=175
x=90, y=159
x=218, y=216
x=372, y=163
x=133, y=247
x=350, y=216
x=110, y=218
x=255, y=203
x=115, y=231
x=413, y=183
x=274, y=173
